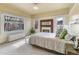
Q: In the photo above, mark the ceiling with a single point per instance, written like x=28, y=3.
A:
x=43, y=7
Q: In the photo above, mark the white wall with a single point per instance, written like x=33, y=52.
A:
x=27, y=25
x=66, y=21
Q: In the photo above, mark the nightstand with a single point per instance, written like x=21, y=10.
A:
x=70, y=50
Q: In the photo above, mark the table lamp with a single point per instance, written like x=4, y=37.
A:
x=74, y=30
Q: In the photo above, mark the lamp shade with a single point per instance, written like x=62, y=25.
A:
x=74, y=29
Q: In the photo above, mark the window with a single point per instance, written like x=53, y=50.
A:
x=12, y=23
x=60, y=23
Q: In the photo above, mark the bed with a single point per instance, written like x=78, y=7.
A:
x=49, y=41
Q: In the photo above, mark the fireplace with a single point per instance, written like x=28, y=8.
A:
x=46, y=25
x=46, y=29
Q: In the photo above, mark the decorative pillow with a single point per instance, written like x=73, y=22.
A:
x=73, y=38
x=58, y=32
x=63, y=34
x=68, y=37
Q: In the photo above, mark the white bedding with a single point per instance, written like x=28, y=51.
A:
x=46, y=35
x=48, y=41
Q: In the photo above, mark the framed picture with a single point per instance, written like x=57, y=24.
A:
x=36, y=24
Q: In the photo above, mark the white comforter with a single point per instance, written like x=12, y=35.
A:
x=49, y=41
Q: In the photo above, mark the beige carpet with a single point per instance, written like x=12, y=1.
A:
x=19, y=47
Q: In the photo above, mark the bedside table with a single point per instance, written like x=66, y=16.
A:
x=70, y=50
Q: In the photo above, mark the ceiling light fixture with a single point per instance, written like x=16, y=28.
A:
x=35, y=7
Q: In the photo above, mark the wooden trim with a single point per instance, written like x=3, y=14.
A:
x=45, y=25
x=47, y=20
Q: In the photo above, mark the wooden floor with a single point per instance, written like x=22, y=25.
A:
x=19, y=47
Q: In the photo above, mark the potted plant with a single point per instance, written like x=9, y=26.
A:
x=32, y=31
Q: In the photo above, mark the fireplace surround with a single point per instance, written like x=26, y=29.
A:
x=46, y=25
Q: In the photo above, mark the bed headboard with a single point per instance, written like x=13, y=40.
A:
x=46, y=25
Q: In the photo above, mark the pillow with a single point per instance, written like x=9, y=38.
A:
x=68, y=37
x=58, y=32
x=73, y=38
x=63, y=34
